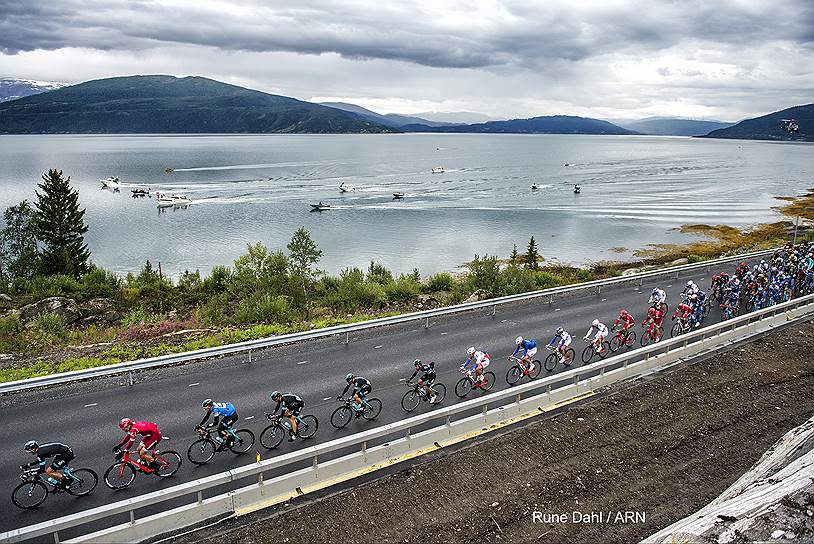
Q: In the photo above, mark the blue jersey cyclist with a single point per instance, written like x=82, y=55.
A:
x=427, y=377
x=225, y=416
x=562, y=340
x=361, y=387
x=529, y=347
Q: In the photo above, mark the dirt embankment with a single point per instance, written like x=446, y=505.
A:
x=628, y=464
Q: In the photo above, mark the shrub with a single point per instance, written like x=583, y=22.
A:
x=443, y=281
x=404, y=289
x=695, y=259
x=98, y=282
x=379, y=274
x=218, y=280
x=214, y=310
x=141, y=316
x=58, y=285
x=484, y=273
x=545, y=279
x=49, y=325
x=350, y=292
x=11, y=335
x=264, y=308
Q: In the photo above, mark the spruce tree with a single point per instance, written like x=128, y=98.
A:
x=61, y=226
x=514, y=257
x=531, y=257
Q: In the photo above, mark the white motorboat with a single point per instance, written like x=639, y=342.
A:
x=113, y=182
x=343, y=188
x=166, y=201
x=320, y=207
x=438, y=170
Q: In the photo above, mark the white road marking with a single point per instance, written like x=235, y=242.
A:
x=327, y=398
x=402, y=379
x=604, y=299
x=92, y=404
x=248, y=418
x=377, y=347
x=443, y=333
x=194, y=384
x=556, y=309
x=503, y=320
x=302, y=362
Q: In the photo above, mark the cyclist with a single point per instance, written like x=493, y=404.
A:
x=657, y=297
x=290, y=406
x=62, y=455
x=599, y=337
x=427, y=377
x=563, y=340
x=219, y=409
x=683, y=311
x=655, y=317
x=529, y=348
x=479, y=359
x=698, y=300
x=626, y=320
x=361, y=387
x=150, y=437
x=690, y=289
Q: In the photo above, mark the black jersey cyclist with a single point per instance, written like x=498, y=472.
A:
x=60, y=455
x=290, y=406
x=361, y=387
x=427, y=377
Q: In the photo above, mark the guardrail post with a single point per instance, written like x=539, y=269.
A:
x=130, y=377
x=494, y=309
x=576, y=379
x=347, y=338
x=250, y=357
x=200, y=496
x=599, y=290
x=517, y=398
x=132, y=517
x=427, y=323
x=56, y=537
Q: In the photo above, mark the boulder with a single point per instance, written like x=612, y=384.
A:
x=679, y=262
x=97, y=305
x=105, y=318
x=63, y=307
x=426, y=299
x=476, y=296
x=4, y=297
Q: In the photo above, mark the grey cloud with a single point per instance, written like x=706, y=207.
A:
x=519, y=34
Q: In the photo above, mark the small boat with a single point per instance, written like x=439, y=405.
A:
x=343, y=188
x=320, y=207
x=534, y=187
x=398, y=196
x=577, y=189
x=168, y=170
x=140, y=191
x=112, y=182
x=166, y=201
x=438, y=170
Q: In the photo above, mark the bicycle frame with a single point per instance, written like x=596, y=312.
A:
x=127, y=459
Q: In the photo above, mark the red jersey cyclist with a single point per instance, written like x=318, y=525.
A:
x=150, y=437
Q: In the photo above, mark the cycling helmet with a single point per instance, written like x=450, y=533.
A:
x=417, y=362
x=623, y=312
x=207, y=403
x=31, y=445
x=560, y=330
x=518, y=340
x=471, y=351
x=655, y=290
x=689, y=283
x=125, y=423
x=275, y=395
x=348, y=376
x=595, y=323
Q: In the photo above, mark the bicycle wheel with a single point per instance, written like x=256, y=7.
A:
x=588, y=354
x=341, y=416
x=570, y=354
x=463, y=387
x=119, y=475
x=615, y=343
x=243, y=442
x=372, y=409
x=707, y=307
x=169, y=463
x=307, y=426
x=676, y=330
x=272, y=436
x=201, y=451
x=513, y=374
x=630, y=339
x=410, y=400
x=551, y=362
x=488, y=381
x=440, y=393
x=84, y=481
x=29, y=495
x=605, y=350
x=645, y=338
x=534, y=371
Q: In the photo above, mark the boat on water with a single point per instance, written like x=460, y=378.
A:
x=140, y=191
x=343, y=188
x=398, y=196
x=577, y=189
x=534, y=187
x=438, y=170
x=166, y=201
x=113, y=182
x=168, y=170
x=320, y=207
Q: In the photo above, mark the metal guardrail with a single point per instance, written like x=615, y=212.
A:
x=404, y=427
x=263, y=343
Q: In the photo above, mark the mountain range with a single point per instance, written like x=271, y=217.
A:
x=673, y=126
x=12, y=89
x=167, y=104
x=550, y=124
x=772, y=126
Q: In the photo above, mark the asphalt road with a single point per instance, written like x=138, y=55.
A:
x=85, y=417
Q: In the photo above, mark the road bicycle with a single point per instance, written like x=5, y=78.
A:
x=203, y=450
x=369, y=410
x=554, y=358
x=623, y=337
x=122, y=473
x=521, y=368
x=682, y=326
x=469, y=383
x=728, y=311
x=590, y=351
x=653, y=334
x=417, y=393
x=35, y=489
x=273, y=435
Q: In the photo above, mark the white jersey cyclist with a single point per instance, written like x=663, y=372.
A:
x=477, y=359
x=601, y=332
x=658, y=296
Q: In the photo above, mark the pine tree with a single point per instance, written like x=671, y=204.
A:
x=514, y=258
x=61, y=226
x=531, y=257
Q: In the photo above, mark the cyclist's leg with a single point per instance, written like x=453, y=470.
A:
x=57, y=467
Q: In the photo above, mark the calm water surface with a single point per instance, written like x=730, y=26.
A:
x=249, y=188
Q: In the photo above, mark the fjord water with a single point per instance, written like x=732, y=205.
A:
x=246, y=188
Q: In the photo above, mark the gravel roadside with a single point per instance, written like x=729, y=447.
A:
x=613, y=470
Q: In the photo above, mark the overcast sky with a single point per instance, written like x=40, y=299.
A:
x=513, y=58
